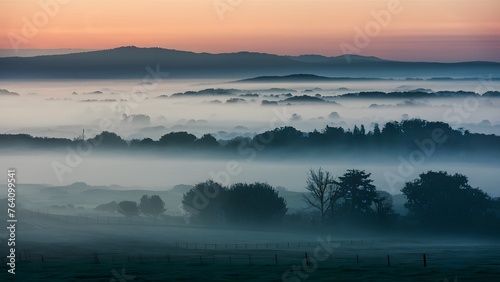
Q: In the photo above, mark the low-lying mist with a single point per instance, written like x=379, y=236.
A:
x=135, y=110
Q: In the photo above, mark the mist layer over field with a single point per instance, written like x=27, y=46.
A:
x=65, y=193
x=64, y=108
x=135, y=109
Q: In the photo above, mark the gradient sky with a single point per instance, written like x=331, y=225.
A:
x=425, y=30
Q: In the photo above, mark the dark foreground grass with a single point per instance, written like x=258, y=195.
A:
x=460, y=265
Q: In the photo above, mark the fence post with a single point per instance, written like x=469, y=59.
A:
x=307, y=260
x=388, y=261
x=425, y=261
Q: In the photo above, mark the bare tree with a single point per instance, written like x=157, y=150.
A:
x=324, y=191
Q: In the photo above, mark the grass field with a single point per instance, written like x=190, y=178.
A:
x=58, y=250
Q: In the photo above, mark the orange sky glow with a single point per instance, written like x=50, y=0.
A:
x=422, y=30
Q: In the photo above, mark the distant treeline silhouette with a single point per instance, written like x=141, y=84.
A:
x=393, y=137
x=436, y=201
x=411, y=94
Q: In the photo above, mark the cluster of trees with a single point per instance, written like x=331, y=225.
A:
x=149, y=205
x=435, y=201
x=393, y=135
x=440, y=200
x=351, y=196
x=240, y=204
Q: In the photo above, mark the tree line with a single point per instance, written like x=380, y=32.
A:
x=149, y=206
x=435, y=200
x=392, y=137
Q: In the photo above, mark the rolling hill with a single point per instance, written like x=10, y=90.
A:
x=136, y=63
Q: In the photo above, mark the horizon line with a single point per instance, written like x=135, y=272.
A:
x=78, y=50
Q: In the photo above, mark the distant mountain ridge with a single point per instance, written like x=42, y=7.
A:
x=132, y=62
x=301, y=77
x=317, y=78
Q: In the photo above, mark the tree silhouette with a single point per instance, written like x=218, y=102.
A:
x=383, y=206
x=181, y=138
x=358, y=192
x=324, y=191
x=108, y=139
x=440, y=199
x=152, y=206
x=128, y=208
x=257, y=203
x=207, y=141
x=376, y=130
x=204, y=202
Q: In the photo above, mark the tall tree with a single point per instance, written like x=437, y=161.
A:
x=358, y=192
x=323, y=191
x=376, y=130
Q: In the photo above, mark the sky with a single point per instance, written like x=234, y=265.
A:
x=418, y=30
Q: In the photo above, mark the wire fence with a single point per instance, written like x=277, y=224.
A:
x=225, y=258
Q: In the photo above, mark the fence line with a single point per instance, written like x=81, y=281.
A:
x=222, y=258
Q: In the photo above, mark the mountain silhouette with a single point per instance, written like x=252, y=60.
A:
x=132, y=62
